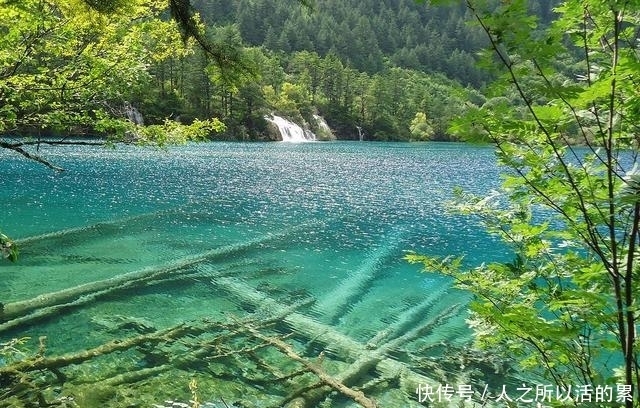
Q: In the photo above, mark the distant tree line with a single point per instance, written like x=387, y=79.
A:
x=370, y=64
x=298, y=85
x=376, y=65
x=398, y=70
x=365, y=35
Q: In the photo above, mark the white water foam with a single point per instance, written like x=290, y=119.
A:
x=290, y=131
x=322, y=124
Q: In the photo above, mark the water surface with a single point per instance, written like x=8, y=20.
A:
x=326, y=224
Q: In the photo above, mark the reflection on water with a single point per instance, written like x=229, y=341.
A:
x=245, y=243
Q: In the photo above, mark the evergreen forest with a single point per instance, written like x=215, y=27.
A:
x=397, y=70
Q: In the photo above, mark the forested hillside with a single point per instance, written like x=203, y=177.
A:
x=365, y=35
x=397, y=69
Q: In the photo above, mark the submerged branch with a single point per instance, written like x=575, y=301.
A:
x=89, y=291
x=334, y=383
x=40, y=362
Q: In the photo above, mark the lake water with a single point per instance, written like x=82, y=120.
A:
x=227, y=236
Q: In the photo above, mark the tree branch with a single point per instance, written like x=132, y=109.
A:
x=16, y=148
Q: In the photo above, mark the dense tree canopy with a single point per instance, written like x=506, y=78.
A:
x=67, y=69
x=80, y=67
x=565, y=307
x=365, y=35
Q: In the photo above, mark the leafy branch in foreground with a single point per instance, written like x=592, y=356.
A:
x=170, y=132
x=66, y=69
x=564, y=122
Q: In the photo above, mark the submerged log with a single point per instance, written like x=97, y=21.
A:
x=409, y=318
x=39, y=362
x=55, y=310
x=21, y=308
x=202, y=349
x=334, y=303
x=86, y=228
x=377, y=356
x=340, y=343
x=182, y=347
x=361, y=357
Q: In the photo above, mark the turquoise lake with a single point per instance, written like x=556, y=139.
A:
x=230, y=231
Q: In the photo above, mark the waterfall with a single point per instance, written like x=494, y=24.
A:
x=322, y=124
x=133, y=114
x=290, y=132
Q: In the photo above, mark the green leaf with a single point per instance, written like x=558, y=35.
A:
x=8, y=248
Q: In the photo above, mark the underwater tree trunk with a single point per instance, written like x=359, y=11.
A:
x=363, y=357
x=376, y=356
x=334, y=304
x=93, y=289
x=39, y=362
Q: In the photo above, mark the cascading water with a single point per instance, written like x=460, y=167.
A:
x=133, y=114
x=291, y=132
x=322, y=124
x=324, y=132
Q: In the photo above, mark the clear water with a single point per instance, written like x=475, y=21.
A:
x=329, y=221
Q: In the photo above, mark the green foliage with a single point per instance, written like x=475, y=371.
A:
x=420, y=127
x=564, y=307
x=8, y=248
x=68, y=69
x=545, y=309
x=171, y=132
x=63, y=66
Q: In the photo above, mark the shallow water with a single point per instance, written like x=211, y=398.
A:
x=323, y=221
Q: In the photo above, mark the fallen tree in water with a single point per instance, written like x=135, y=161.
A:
x=17, y=313
x=269, y=348
x=204, y=341
x=274, y=352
